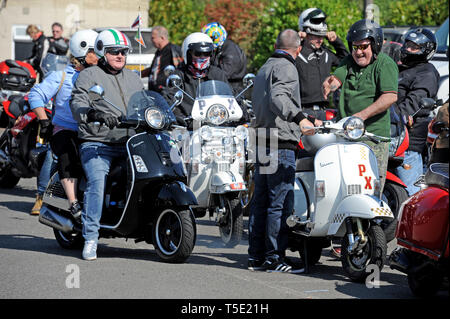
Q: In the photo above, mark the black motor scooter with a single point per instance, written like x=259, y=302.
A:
x=146, y=196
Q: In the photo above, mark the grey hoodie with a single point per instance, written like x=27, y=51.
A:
x=118, y=90
x=276, y=99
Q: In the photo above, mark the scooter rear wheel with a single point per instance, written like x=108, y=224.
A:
x=174, y=234
x=374, y=252
x=72, y=240
x=394, y=195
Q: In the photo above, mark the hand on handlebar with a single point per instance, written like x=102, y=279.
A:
x=307, y=127
x=108, y=119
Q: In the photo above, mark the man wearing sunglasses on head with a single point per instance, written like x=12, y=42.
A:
x=101, y=144
x=197, y=49
x=369, y=82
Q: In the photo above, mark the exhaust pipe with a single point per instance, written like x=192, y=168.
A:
x=54, y=220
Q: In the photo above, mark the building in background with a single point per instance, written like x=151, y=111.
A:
x=74, y=15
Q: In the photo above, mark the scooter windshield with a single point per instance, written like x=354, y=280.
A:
x=142, y=100
x=214, y=87
x=53, y=62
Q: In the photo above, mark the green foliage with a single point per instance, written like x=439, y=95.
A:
x=413, y=12
x=179, y=17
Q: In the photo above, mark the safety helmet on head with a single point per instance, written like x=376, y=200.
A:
x=425, y=39
x=366, y=29
x=81, y=42
x=216, y=32
x=196, y=41
x=312, y=21
x=110, y=38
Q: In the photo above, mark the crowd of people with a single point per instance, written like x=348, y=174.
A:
x=290, y=94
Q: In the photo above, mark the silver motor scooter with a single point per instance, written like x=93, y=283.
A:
x=215, y=154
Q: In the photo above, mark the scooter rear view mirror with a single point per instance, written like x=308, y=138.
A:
x=173, y=80
x=169, y=70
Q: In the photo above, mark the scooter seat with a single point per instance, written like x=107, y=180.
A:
x=437, y=174
x=304, y=164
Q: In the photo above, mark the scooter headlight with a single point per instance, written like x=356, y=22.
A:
x=354, y=128
x=217, y=114
x=155, y=118
x=241, y=132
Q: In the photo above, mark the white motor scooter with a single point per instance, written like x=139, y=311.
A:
x=215, y=155
x=337, y=195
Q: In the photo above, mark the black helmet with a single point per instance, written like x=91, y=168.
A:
x=366, y=29
x=425, y=39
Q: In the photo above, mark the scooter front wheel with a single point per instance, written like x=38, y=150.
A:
x=374, y=252
x=174, y=234
x=232, y=224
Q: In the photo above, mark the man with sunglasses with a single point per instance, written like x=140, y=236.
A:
x=101, y=144
x=315, y=61
x=57, y=43
x=369, y=82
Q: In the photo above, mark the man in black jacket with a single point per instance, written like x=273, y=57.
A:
x=417, y=79
x=167, y=54
x=197, y=49
x=227, y=55
x=315, y=61
x=57, y=43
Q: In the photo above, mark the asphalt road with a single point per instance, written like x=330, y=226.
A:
x=33, y=265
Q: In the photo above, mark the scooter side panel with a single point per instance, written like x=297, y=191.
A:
x=327, y=167
x=360, y=206
x=424, y=222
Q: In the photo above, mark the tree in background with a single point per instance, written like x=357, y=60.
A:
x=180, y=18
x=413, y=12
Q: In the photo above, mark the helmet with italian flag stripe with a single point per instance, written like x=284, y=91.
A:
x=110, y=38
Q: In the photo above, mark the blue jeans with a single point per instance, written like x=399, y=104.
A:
x=44, y=173
x=273, y=202
x=96, y=159
x=410, y=176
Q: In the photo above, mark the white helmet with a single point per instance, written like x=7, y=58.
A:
x=196, y=41
x=110, y=38
x=81, y=42
x=312, y=21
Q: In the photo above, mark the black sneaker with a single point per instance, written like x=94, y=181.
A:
x=276, y=265
x=255, y=265
x=75, y=210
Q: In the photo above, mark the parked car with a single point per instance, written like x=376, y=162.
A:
x=440, y=60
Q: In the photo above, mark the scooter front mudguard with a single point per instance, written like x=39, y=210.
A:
x=225, y=182
x=359, y=206
x=177, y=194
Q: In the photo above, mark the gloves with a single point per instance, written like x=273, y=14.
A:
x=109, y=120
x=46, y=129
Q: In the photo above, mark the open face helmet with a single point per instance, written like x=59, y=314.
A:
x=81, y=42
x=111, y=38
x=312, y=21
x=425, y=40
x=216, y=32
x=366, y=29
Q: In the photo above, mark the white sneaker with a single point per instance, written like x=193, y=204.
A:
x=90, y=250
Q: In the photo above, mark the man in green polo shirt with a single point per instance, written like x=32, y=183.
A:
x=369, y=81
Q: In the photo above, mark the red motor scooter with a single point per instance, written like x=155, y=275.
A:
x=423, y=234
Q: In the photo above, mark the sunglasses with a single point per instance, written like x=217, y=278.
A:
x=123, y=51
x=201, y=54
x=361, y=47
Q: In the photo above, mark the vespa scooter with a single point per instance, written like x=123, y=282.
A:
x=215, y=155
x=145, y=195
x=423, y=234
x=337, y=195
